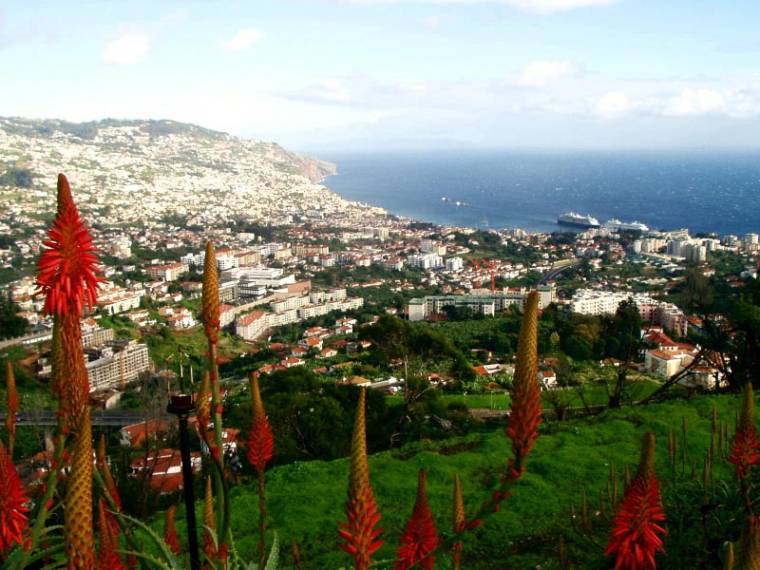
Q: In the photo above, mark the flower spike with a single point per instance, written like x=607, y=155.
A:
x=13, y=504
x=11, y=405
x=525, y=411
x=108, y=559
x=420, y=537
x=637, y=527
x=744, y=449
x=210, y=295
x=171, y=538
x=260, y=441
x=67, y=271
x=209, y=521
x=360, y=532
x=458, y=522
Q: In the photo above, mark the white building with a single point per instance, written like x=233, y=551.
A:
x=483, y=302
x=120, y=301
x=425, y=261
x=118, y=364
x=454, y=264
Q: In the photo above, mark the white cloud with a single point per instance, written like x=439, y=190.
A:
x=127, y=49
x=613, y=104
x=536, y=6
x=243, y=39
x=696, y=101
x=551, y=6
x=541, y=73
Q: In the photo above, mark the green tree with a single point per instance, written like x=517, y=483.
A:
x=11, y=325
x=624, y=340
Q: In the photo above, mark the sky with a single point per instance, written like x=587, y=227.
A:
x=341, y=75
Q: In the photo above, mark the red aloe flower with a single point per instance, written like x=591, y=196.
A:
x=110, y=484
x=744, y=449
x=170, y=531
x=67, y=275
x=360, y=532
x=13, y=500
x=637, y=530
x=67, y=271
x=260, y=440
x=108, y=559
x=525, y=410
x=420, y=536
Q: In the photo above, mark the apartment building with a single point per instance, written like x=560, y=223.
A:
x=120, y=301
x=595, y=302
x=116, y=364
x=482, y=302
x=169, y=272
x=293, y=310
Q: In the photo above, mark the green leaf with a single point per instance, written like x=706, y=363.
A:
x=158, y=541
x=274, y=554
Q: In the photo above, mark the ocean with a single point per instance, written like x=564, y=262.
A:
x=705, y=192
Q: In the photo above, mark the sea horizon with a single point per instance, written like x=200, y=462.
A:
x=702, y=190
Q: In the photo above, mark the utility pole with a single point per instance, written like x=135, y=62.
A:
x=181, y=405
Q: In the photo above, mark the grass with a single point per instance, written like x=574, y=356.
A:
x=306, y=500
x=165, y=346
x=594, y=394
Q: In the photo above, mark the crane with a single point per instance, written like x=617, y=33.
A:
x=492, y=267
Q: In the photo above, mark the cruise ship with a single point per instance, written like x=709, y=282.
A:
x=578, y=220
x=615, y=225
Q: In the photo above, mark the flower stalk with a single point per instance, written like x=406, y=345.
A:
x=211, y=326
x=420, y=537
x=637, y=531
x=458, y=523
x=67, y=273
x=11, y=405
x=260, y=451
x=360, y=531
x=13, y=504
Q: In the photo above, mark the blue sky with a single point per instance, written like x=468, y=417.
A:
x=398, y=74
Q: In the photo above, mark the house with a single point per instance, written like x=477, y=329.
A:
x=327, y=353
x=311, y=342
x=488, y=369
x=292, y=361
x=141, y=317
x=666, y=363
x=105, y=399
x=319, y=332
x=298, y=351
x=226, y=315
x=229, y=439
x=547, y=379
x=163, y=469
x=177, y=317
x=266, y=369
x=134, y=434
x=358, y=381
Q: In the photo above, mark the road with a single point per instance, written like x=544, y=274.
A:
x=555, y=271
x=117, y=418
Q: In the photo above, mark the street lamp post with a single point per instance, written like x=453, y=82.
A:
x=181, y=405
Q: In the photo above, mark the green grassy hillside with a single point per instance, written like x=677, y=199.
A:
x=306, y=499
